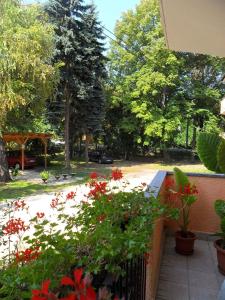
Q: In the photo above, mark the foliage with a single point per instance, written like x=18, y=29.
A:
x=211, y=149
x=98, y=230
x=27, y=76
x=220, y=210
x=15, y=171
x=185, y=195
x=45, y=175
x=207, y=147
x=162, y=98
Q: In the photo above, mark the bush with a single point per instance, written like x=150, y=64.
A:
x=178, y=154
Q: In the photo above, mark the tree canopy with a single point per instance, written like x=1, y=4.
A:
x=27, y=75
x=154, y=90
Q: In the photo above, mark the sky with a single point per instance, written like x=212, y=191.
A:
x=109, y=10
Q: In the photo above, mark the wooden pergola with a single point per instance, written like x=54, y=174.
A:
x=22, y=138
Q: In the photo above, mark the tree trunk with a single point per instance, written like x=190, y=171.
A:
x=193, y=144
x=86, y=149
x=4, y=170
x=187, y=132
x=67, y=130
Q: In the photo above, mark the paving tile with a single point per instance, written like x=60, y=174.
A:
x=213, y=252
x=172, y=291
x=220, y=278
x=201, y=264
x=174, y=274
x=203, y=280
x=197, y=293
x=194, y=277
x=174, y=260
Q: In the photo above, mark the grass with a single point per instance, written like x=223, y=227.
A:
x=22, y=188
x=193, y=168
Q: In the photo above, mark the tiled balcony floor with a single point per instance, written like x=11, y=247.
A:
x=192, y=277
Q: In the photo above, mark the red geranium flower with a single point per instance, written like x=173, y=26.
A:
x=70, y=196
x=43, y=294
x=40, y=215
x=93, y=175
x=99, y=188
x=169, y=182
x=27, y=255
x=14, y=226
x=116, y=174
x=19, y=204
x=83, y=290
x=54, y=203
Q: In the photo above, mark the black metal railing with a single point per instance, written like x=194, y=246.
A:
x=132, y=286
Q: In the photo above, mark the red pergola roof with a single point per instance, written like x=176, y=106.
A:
x=21, y=137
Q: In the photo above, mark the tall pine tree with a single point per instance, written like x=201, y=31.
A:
x=89, y=113
x=79, y=48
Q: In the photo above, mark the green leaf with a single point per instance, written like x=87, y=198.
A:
x=180, y=178
x=221, y=156
x=207, y=147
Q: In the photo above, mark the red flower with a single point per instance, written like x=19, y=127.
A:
x=116, y=174
x=187, y=189
x=43, y=294
x=19, y=204
x=82, y=289
x=27, y=255
x=93, y=175
x=70, y=196
x=14, y=226
x=169, y=182
x=99, y=189
x=54, y=203
x=40, y=215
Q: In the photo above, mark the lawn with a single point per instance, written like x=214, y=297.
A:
x=22, y=188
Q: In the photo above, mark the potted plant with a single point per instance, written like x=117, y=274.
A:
x=57, y=175
x=64, y=176
x=45, y=176
x=185, y=193
x=220, y=243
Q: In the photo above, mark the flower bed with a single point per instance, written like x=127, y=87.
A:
x=108, y=227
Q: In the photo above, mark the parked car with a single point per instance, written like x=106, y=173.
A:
x=100, y=157
x=15, y=157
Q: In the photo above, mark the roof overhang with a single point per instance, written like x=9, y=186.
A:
x=196, y=26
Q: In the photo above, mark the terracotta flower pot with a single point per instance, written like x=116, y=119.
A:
x=220, y=256
x=185, y=245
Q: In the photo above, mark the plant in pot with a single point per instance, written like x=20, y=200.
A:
x=185, y=193
x=220, y=243
x=57, y=175
x=45, y=176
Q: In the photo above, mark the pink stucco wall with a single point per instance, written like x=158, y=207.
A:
x=203, y=217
